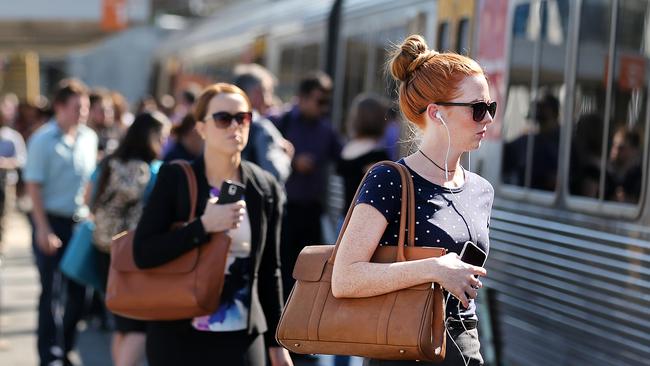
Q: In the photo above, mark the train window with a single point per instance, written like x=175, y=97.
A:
x=309, y=57
x=624, y=172
x=616, y=173
x=554, y=17
x=463, y=37
x=384, y=84
x=516, y=116
x=287, y=73
x=356, y=59
x=296, y=60
x=535, y=93
x=590, y=98
x=443, y=36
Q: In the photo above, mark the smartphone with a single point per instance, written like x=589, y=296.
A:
x=473, y=255
x=231, y=192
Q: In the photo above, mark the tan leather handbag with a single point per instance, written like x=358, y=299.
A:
x=185, y=287
x=403, y=325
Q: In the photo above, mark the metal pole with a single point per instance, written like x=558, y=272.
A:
x=333, y=28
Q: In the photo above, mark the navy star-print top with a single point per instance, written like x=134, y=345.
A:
x=444, y=217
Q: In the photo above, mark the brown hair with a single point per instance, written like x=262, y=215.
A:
x=120, y=105
x=427, y=76
x=186, y=126
x=313, y=81
x=68, y=88
x=367, y=116
x=201, y=106
x=99, y=95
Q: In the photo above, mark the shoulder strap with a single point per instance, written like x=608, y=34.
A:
x=191, y=183
x=407, y=210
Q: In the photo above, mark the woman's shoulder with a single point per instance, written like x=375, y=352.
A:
x=263, y=179
x=480, y=183
x=381, y=178
x=384, y=170
x=171, y=172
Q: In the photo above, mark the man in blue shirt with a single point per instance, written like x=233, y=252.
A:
x=61, y=156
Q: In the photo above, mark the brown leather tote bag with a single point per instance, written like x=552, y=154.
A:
x=185, y=287
x=403, y=325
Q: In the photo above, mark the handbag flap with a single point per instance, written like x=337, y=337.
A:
x=312, y=259
x=311, y=262
x=122, y=257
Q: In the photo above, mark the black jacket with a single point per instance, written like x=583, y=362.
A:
x=154, y=244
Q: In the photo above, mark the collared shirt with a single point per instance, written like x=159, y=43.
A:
x=61, y=167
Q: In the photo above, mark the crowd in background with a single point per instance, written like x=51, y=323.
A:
x=85, y=154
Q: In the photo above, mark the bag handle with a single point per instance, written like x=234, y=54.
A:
x=407, y=210
x=191, y=184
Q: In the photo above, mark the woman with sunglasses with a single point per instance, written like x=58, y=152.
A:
x=243, y=326
x=446, y=96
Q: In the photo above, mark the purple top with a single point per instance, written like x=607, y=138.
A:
x=314, y=137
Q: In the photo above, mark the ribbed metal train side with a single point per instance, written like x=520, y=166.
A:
x=567, y=294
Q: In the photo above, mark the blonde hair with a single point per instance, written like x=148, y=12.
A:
x=426, y=76
x=201, y=107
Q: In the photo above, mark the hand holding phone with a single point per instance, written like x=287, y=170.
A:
x=229, y=210
x=473, y=255
x=230, y=192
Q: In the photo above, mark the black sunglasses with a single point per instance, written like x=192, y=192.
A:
x=478, y=109
x=224, y=119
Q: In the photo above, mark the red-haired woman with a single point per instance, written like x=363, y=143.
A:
x=447, y=97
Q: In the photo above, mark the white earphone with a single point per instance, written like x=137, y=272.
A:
x=439, y=116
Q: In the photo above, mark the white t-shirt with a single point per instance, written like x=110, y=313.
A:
x=233, y=310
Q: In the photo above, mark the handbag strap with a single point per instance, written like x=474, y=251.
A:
x=191, y=184
x=407, y=210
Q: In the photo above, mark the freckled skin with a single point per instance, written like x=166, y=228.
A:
x=354, y=276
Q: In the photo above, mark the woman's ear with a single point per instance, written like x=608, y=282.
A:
x=433, y=112
x=200, y=129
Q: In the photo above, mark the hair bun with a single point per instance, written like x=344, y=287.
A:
x=411, y=54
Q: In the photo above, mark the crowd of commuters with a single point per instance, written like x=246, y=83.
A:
x=88, y=157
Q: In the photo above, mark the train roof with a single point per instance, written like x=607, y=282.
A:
x=233, y=27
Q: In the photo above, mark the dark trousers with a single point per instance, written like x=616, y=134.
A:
x=178, y=343
x=465, y=351
x=3, y=187
x=56, y=336
x=301, y=227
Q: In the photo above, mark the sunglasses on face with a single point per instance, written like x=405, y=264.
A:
x=479, y=109
x=224, y=119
